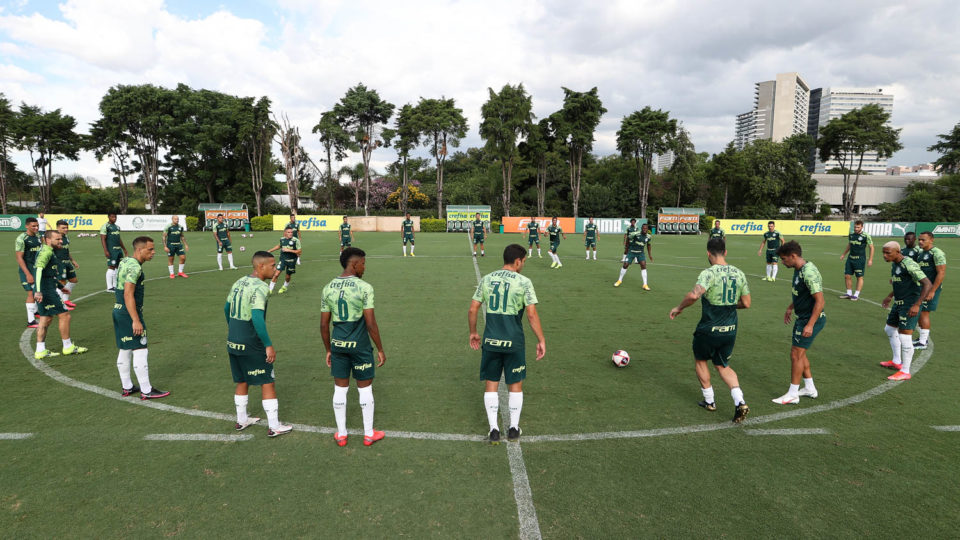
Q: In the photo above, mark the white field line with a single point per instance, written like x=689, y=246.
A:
x=526, y=512
x=196, y=437
x=15, y=436
x=800, y=431
x=946, y=428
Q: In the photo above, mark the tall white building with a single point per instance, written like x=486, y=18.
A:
x=834, y=103
x=662, y=162
x=780, y=109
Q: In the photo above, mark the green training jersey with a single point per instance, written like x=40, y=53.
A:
x=246, y=295
x=724, y=285
x=911, y=252
x=716, y=232
x=345, y=298
x=45, y=269
x=773, y=240
x=112, y=232
x=345, y=231
x=506, y=295
x=631, y=229
x=478, y=227
x=407, y=227
x=293, y=227
x=638, y=240
x=533, y=229
x=174, y=234
x=905, y=277
x=930, y=260
x=858, y=244
x=806, y=283
x=30, y=246
x=130, y=271
x=554, y=231
x=590, y=229
x=222, y=230
x=290, y=243
x=63, y=254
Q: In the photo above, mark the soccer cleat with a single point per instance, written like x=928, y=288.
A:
x=46, y=353
x=234, y=268
x=553, y=265
x=513, y=434
x=172, y=276
x=474, y=253
x=181, y=274
x=787, y=399
x=126, y=392
x=282, y=290
x=412, y=254
x=854, y=298
x=153, y=394
x=845, y=296
x=740, y=413
x=617, y=284
x=404, y=254
x=251, y=420
x=804, y=392
x=899, y=376
x=890, y=364
x=711, y=406
x=69, y=304
x=483, y=254
x=540, y=255
x=280, y=430
x=111, y=289
x=646, y=287
x=494, y=438
x=559, y=265
x=377, y=435
x=73, y=349
x=68, y=308
x=341, y=439
x=919, y=345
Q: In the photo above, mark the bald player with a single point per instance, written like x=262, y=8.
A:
x=910, y=287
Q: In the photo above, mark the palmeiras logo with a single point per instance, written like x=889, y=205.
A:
x=138, y=222
x=12, y=222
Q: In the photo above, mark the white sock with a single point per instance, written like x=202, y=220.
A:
x=31, y=311
x=924, y=335
x=298, y=260
x=70, y=285
x=60, y=295
x=623, y=272
x=181, y=267
x=643, y=274
x=588, y=253
x=170, y=267
x=41, y=346
x=856, y=294
x=516, y=405
x=272, y=408
x=894, y=342
x=594, y=255
x=906, y=348
x=230, y=259
x=849, y=292
x=775, y=269
x=538, y=253
x=491, y=402
x=340, y=408
x=111, y=278
x=67, y=343
x=220, y=260
x=142, y=370
x=286, y=284
x=404, y=249
x=412, y=248
x=769, y=272
x=241, y=403
x=366, y=407
x=707, y=394
x=272, y=285
x=794, y=390
x=737, y=395
x=123, y=366
x=557, y=257
x=808, y=384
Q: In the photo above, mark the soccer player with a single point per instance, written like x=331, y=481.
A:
x=251, y=352
x=27, y=247
x=41, y=224
x=933, y=262
x=348, y=301
x=555, y=232
x=345, y=235
x=626, y=238
x=221, y=233
x=638, y=239
x=507, y=295
x=406, y=233
x=296, y=230
x=722, y=290
x=128, y=324
x=67, y=266
x=716, y=231
x=479, y=235
x=910, y=287
x=113, y=248
x=175, y=243
x=773, y=240
x=289, y=247
x=590, y=238
x=856, y=247
x=910, y=242
x=48, y=303
x=533, y=236
x=807, y=302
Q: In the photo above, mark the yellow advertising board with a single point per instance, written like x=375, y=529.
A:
x=79, y=222
x=787, y=228
x=309, y=223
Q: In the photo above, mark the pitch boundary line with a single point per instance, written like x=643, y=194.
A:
x=215, y=437
x=799, y=431
x=15, y=436
x=946, y=428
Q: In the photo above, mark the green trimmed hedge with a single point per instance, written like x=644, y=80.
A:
x=193, y=223
x=433, y=225
x=261, y=223
x=495, y=226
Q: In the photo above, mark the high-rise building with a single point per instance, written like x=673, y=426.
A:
x=663, y=161
x=780, y=109
x=813, y=125
x=834, y=103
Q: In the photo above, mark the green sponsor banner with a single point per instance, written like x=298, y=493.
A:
x=893, y=229
x=939, y=229
x=14, y=222
x=607, y=225
x=460, y=217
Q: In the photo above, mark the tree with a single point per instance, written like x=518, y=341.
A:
x=335, y=142
x=641, y=135
x=684, y=161
x=256, y=135
x=849, y=138
x=407, y=138
x=507, y=117
x=362, y=114
x=926, y=201
x=574, y=124
x=441, y=125
x=47, y=137
x=108, y=140
x=8, y=118
x=539, y=142
x=949, y=147
x=288, y=137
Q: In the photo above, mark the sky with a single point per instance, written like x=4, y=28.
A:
x=698, y=60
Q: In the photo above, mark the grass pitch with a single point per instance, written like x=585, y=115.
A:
x=608, y=452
